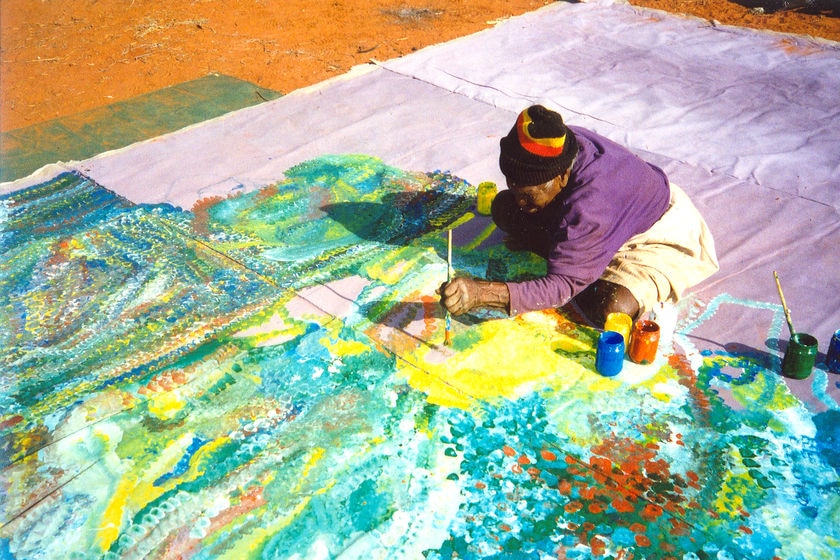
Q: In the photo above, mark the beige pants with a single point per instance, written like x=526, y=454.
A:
x=676, y=253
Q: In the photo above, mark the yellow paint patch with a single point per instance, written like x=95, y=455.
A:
x=339, y=347
x=438, y=390
x=570, y=344
x=394, y=266
x=314, y=458
x=781, y=398
x=142, y=491
x=730, y=497
x=133, y=494
x=660, y=384
x=166, y=405
x=508, y=358
x=602, y=383
x=109, y=528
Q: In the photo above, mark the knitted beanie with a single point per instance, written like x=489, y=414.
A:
x=538, y=148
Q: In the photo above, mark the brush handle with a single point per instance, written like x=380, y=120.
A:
x=447, y=335
x=784, y=304
x=449, y=255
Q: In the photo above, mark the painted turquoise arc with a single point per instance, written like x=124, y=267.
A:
x=265, y=377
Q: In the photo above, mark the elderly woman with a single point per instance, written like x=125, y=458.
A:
x=617, y=236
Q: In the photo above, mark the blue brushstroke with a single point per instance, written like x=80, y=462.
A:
x=183, y=463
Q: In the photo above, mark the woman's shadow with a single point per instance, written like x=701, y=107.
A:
x=399, y=218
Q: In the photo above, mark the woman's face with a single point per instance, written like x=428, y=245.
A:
x=534, y=198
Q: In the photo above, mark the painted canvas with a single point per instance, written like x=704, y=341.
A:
x=265, y=377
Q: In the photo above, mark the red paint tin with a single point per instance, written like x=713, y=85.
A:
x=644, y=341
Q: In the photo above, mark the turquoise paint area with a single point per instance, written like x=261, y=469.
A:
x=168, y=393
x=828, y=437
x=367, y=507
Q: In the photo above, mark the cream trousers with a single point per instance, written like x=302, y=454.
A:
x=677, y=252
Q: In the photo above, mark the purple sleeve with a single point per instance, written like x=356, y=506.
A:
x=552, y=290
x=573, y=264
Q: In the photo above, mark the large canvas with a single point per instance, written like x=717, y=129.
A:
x=265, y=377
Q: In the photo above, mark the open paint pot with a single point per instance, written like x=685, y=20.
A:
x=620, y=323
x=484, y=200
x=832, y=359
x=609, y=357
x=801, y=353
x=800, y=356
x=644, y=341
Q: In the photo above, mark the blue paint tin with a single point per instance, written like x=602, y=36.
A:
x=832, y=359
x=609, y=358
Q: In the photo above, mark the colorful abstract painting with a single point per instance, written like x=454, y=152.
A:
x=265, y=377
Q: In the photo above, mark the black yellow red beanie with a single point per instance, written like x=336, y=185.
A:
x=538, y=148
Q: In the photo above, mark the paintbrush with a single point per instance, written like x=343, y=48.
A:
x=447, y=336
x=784, y=304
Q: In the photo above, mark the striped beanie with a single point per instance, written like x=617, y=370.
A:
x=538, y=148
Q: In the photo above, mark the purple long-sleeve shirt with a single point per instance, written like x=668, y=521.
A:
x=611, y=196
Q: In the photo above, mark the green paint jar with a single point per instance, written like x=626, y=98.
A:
x=800, y=356
x=486, y=194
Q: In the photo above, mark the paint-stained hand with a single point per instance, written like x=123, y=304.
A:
x=460, y=295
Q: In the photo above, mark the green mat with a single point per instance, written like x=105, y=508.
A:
x=86, y=134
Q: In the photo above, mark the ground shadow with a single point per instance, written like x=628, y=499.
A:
x=400, y=217
x=810, y=7
x=767, y=360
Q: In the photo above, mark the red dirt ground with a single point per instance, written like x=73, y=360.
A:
x=59, y=57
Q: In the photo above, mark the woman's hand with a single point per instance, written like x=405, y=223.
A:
x=462, y=295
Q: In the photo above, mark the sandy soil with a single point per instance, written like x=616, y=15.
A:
x=59, y=57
